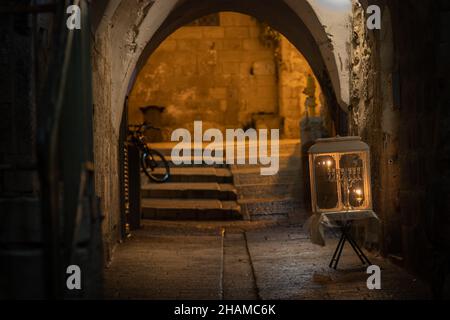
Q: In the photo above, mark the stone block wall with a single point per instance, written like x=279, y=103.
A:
x=397, y=110
x=106, y=148
x=225, y=75
x=294, y=72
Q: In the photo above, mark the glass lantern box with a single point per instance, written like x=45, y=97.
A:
x=340, y=175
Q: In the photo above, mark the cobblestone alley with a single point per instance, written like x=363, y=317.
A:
x=252, y=260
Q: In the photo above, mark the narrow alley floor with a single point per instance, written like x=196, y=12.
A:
x=244, y=260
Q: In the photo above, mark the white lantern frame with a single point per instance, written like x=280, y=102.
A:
x=336, y=149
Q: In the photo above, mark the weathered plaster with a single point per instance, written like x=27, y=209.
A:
x=362, y=78
x=330, y=24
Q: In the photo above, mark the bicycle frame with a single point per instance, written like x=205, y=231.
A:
x=147, y=155
x=138, y=138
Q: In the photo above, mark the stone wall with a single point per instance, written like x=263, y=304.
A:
x=20, y=215
x=418, y=47
x=106, y=146
x=299, y=91
x=29, y=61
x=17, y=105
x=395, y=108
x=365, y=111
x=238, y=74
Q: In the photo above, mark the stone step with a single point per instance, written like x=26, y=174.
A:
x=183, y=190
x=287, y=161
x=256, y=168
x=285, y=146
x=252, y=176
x=270, y=206
x=192, y=164
x=282, y=150
x=238, y=160
x=259, y=191
x=202, y=191
x=195, y=174
x=283, y=158
x=190, y=209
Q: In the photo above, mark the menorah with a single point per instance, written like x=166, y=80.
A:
x=340, y=188
x=347, y=177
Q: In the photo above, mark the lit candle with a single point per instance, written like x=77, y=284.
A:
x=359, y=195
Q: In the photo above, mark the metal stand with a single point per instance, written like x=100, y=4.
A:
x=346, y=236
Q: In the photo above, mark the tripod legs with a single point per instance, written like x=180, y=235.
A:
x=337, y=253
x=346, y=236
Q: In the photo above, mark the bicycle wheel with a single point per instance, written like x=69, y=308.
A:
x=155, y=166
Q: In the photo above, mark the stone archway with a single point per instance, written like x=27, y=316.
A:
x=131, y=31
x=279, y=16
x=128, y=31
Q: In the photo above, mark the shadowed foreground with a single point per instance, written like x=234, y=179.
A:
x=191, y=260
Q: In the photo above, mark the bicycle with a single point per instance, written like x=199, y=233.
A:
x=151, y=159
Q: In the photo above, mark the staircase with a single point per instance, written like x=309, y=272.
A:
x=224, y=192
x=273, y=197
x=193, y=192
